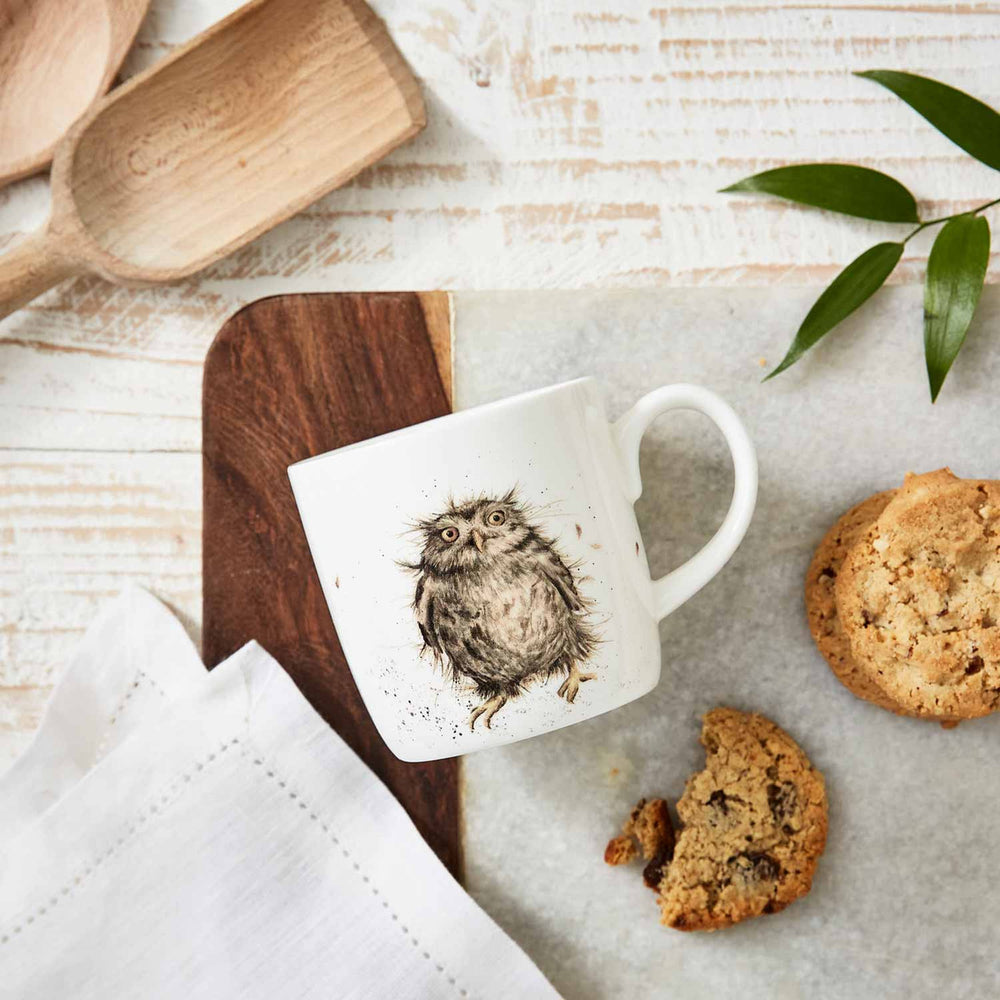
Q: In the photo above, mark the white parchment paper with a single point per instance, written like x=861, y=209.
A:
x=907, y=898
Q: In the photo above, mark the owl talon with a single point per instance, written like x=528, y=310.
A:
x=571, y=685
x=487, y=709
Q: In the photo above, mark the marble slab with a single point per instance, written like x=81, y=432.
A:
x=905, y=903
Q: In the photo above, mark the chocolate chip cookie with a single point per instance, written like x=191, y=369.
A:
x=821, y=604
x=754, y=825
x=919, y=597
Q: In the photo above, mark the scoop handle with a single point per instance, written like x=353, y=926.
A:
x=32, y=267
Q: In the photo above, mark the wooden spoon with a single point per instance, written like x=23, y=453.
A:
x=242, y=127
x=56, y=58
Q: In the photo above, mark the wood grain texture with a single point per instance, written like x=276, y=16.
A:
x=233, y=132
x=76, y=527
x=287, y=378
x=55, y=59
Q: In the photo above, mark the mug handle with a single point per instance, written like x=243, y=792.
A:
x=672, y=590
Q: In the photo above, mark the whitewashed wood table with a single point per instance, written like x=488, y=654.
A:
x=571, y=144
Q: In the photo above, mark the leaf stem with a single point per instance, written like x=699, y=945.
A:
x=946, y=218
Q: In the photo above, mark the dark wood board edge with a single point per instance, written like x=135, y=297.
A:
x=285, y=378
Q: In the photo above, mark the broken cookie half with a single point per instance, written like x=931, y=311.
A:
x=753, y=825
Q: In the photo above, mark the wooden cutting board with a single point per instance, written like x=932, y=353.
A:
x=286, y=378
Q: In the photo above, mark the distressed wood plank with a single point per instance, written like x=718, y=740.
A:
x=20, y=713
x=75, y=527
x=570, y=144
x=524, y=97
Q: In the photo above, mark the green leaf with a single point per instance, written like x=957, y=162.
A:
x=967, y=122
x=838, y=187
x=859, y=281
x=956, y=270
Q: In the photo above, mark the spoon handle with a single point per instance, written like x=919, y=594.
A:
x=32, y=267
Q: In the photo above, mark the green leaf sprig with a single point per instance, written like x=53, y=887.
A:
x=956, y=268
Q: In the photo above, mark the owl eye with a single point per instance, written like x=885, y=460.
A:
x=450, y=533
x=496, y=518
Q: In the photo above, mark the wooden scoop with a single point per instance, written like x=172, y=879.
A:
x=237, y=130
x=56, y=58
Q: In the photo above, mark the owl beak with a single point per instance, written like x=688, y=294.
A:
x=478, y=539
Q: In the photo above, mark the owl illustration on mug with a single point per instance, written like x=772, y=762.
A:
x=497, y=604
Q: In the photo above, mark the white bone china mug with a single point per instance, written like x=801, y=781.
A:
x=485, y=571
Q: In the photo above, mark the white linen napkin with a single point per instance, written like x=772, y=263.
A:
x=176, y=834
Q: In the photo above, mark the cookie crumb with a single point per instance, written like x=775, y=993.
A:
x=621, y=850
